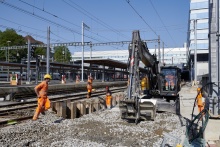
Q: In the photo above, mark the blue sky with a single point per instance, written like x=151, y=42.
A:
x=109, y=21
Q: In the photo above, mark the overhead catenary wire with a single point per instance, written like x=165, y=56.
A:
x=64, y=19
x=162, y=22
x=94, y=18
x=49, y=13
x=28, y=33
x=19, y=29
x=47, y=20
x=128, y=1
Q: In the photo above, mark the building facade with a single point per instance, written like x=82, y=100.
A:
x=198, y=35
x=170, y=56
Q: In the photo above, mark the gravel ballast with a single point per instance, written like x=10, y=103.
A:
x=99, y=129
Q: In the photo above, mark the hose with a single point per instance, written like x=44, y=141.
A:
x=204, y=111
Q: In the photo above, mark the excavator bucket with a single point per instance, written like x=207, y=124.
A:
x=148, y=109
x=144, y=109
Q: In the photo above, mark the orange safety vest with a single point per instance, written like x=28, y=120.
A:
x=90, y=80
x=199, y=100
x=108, y=99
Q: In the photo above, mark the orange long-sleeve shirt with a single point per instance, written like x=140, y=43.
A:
x=42, y=89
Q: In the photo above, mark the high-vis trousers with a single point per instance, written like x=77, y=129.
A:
x=108, y=101
x=43, y=105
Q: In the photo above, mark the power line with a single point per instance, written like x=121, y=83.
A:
x=88, y=14
x=49, y=13
x=40, y=17
x=28, y=33
x=128, y=1
x=162, y=22
x=45, y=19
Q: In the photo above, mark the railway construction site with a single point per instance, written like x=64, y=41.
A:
x=74, y=120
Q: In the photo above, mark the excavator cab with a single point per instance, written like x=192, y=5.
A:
x=170, y=78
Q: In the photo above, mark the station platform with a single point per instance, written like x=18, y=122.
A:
x=7, y=92
x=187, y=97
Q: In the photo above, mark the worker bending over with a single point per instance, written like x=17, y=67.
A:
x=89, y=88
x=200, y=100
x=43, y=101
x=108, y=98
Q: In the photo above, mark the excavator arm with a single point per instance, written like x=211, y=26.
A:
x=131, y=107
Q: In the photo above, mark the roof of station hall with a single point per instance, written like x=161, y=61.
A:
x=108, y=62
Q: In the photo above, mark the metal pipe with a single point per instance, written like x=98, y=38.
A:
x=82, y=49
x=195, y=52
x=28, y=62
x=48, y=50
x=218, y=52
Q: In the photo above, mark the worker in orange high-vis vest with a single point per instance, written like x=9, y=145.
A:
x=89, y=89
x=90, y=79
x=108, y=98
x=200, y=100
x=43, y=101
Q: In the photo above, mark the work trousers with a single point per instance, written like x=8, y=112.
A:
x=108, y=100
x=43, y=105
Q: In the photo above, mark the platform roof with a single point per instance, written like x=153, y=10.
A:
x=14, y=64
x=110, y=63
x=106, y=62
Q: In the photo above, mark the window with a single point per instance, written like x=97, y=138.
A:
x=199, y=5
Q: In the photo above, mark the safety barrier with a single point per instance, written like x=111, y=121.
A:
x=63, y=80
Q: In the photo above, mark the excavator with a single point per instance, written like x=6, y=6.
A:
x=155, y=89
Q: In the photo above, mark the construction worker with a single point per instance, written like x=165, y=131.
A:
x=77, y=78
x=90, y=79
x=108, y=97
x=43, y=101
x=169, y=85
x=200, y=100
x=89, y=88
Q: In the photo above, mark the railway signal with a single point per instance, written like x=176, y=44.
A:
x=33, y=51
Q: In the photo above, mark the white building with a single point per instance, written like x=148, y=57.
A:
x=171, y=55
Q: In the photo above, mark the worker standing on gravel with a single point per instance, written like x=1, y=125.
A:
x=89, y=89
x=108, y=98
x=200, y=100
x=43, y=101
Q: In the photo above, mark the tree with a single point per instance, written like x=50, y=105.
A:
x=62, y=54
x=10, y=38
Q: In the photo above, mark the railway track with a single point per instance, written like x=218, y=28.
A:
x=22, y=111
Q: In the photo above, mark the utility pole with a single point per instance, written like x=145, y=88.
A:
x=159, y=57
x=90, y=50
x=217, y=111
x=8, y=59
x=191, y=71
x=195, y=52
x=163, y=54
x=83, y=26
x=48, y=50
x=28, y=62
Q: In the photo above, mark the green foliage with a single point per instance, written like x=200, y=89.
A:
x=62, y=54
x=40, y=51
x=9, y=37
